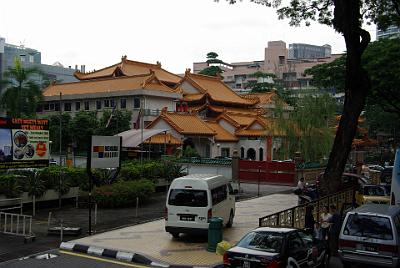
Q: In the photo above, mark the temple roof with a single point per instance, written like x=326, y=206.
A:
x=129, y=68
x=221, y=133
x=163, y=139
x=214, y=89
x=107, y=85
x=185, y=123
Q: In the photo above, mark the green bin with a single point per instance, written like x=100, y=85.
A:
x=214, y=233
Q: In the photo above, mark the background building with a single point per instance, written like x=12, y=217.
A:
x=289, y=71
x=391, y=32
x=32, y=57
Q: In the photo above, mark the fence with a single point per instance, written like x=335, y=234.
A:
x=16, y=224
x=295, y=217
x=199, y=160
x=11, y=204
x=267, y=172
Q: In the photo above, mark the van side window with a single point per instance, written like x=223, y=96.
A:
x=230, y=188
x=219, y=194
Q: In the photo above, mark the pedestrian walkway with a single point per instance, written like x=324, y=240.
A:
x=151, y=240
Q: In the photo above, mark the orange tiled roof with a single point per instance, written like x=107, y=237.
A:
x=129, y=68
x=231, y=110
x=242, y=119
x=192, y=97
x=269, y=128
x=222, y=134
x=184, y=123
x=163, y=139
x=266, y=97
x=216, y=89
x=148, y=81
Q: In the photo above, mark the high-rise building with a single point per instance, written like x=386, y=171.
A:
x=306, y=51
x=33, y=58
x=390, y=32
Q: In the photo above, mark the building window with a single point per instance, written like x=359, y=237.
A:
x=98, y=105
x=77, y=106
x=39, y=108
x=242, y=152
x=251, y=154
x=51, y=107
x=56, y=106
x=281, y=60
x=112, y=103
x=46, y=107
x=86, y=103
x=136, y=103
x=106, y=104
x=225, y=152
x=123, y=103
x=261, y=153
x=67, y=106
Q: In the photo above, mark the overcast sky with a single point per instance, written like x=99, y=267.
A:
x=175, y=32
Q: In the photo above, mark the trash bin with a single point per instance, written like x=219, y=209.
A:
x=214, y=233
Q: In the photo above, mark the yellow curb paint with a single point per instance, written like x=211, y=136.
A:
x=101, y=259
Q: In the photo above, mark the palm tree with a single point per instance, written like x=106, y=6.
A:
x=20, y=93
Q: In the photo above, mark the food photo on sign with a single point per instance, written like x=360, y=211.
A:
x=30, y=144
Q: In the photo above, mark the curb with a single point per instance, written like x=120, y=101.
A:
x=111, y=253
x=120, y=255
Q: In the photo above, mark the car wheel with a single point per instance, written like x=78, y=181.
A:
x=325, y=261
x=175, y=235
x=230, y=221
x=346, y=264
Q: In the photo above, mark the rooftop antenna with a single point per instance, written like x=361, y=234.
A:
x=22, y=44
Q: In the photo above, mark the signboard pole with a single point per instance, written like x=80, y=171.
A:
x=90, y=174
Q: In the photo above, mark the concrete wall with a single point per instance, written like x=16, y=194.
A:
x=209, y=169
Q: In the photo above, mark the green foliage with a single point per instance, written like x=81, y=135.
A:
x=83, y=126
x=329, y=75
x=9, y=186
x=212, y=70
x=21, y=94
x=120, y=121
x=190, y=152
x=262, y=84
x=123, y=193
x=54, y=131
x=307, y=127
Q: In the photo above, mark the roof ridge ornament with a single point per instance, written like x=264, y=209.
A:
x=159, y=64
x=123, y=58
x=187, y=71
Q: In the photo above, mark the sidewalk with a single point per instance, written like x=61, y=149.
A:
x=151, y=240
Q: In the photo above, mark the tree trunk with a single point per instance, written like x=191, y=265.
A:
x=33, y=205
x=347, y=21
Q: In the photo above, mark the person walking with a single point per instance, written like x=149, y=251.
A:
x=324, y=221
x=334, y=230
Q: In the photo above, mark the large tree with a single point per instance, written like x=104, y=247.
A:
x=346, y=17
x=213, y=69
x=20, y=92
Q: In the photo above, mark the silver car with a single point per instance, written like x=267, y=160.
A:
x=370, y=235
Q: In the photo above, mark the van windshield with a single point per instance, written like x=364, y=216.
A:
x=368, y=226
x=188, y=198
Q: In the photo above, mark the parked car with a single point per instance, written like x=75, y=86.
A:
x=348, y=180
x=386, y=174
x=370, y=236
x=277, y=247
x=370, y=193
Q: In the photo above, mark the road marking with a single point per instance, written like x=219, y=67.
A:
x=101, y=259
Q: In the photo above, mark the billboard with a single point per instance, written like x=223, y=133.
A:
x=24, y=143
x=105, y=152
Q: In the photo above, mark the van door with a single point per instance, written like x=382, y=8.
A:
x=219, y=199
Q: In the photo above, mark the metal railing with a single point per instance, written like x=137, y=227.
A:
x=295, y=216
x=16, y=224
x=198, y=160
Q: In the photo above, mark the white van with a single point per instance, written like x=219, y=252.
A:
x=193, y=199
x=395, y=188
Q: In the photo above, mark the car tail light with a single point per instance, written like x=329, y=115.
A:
x=166, y=213
x=347, y=243
x=209, y=214
x=226, y=259
x=274, y=264
x=389, y=248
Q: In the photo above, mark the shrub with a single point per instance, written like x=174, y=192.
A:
x=123, y=193
x=9, y=186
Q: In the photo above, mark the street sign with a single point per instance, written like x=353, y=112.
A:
x=105, y=152
x=24, y=143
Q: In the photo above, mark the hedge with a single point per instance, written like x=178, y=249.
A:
x=123, y=193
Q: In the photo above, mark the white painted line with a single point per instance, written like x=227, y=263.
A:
x=156, y=264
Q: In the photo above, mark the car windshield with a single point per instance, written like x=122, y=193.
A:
x=376, y=191
x=188, y=198
x=264, y=241
x=368, y=226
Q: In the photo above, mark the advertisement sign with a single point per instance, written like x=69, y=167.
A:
x=105, y=152
x=24, y=143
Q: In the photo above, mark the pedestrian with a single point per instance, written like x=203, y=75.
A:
x=334, y=230
x=323, y=219
x=301, y=184
x=318, y=232
x=309, y=220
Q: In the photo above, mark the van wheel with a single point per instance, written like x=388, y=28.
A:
x=230, y=221
x=175, y=235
